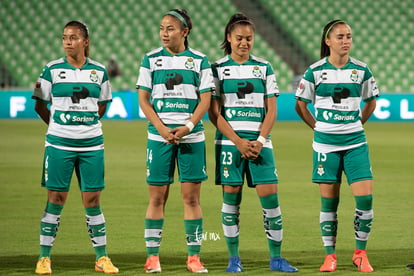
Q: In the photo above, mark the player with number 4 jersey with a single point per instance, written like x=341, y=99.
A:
x=174, y=85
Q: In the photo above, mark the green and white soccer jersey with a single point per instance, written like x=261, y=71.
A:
x=175, y=83
x=336, y=94
x=242, y=89
x=74, y=94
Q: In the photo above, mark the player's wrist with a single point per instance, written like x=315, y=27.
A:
x=261, y=139
x=190, y=125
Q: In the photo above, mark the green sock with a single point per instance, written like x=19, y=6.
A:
x=363, y=220
x=194, y=235
x=272, y=219
x=49, y=226
x=230, y=221
x=153, y=233
x=329, y=223
x=95, y=222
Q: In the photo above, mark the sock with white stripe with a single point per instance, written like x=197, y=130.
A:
x=230, y=221
x=49, y=226
x=328, y=223
x=95, y=222
x=152, y=235
x=193, y=235
x=272, y=219
x=363, y=220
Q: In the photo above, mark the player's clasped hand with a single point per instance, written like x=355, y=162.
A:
x=172, y=136
x=249, y=149
x=180, y=132
x=168, y=134
x=256, y=147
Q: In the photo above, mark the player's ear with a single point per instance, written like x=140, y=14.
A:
x=327, y=42
x=186, y=31
x=228, y=37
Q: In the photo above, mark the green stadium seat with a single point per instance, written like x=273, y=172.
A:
x=129, y=28
x=377, y=25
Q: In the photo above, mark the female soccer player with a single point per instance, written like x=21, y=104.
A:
x=336, y=85
x=243, y=109
x=77, y=89
x=174, y=86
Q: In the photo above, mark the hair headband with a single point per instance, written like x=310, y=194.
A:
x=241, y=21
x=178, y=16
x=330, y=27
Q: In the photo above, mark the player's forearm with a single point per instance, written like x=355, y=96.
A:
x=270, y=117
x=202, y=108
x=43, y=112
x=368, y=109
x=304, y=113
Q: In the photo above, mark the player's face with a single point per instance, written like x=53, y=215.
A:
x=340, y=40
x=171, y=34
x=241, y=42
x=74, y=42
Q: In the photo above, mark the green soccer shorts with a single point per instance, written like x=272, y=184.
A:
x=355, y=163
x=58, y=167
x=231, y=168
x=162, y=159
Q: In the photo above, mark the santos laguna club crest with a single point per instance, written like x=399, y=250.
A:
x=93, y=76
x=354, y=75
x=321, y=170
x=189, y=64
x=226, y=172
x=256, y=72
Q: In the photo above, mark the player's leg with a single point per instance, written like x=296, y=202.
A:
x=262, y=174
x=359, y=174
x=96, y=225
x=327, y=172
x=362, y=223
x=230, y=213
x=364, y=214
x=154, y=224
x=90, y=169
x=229, y=173
x=192, y=169
x=57, y=173
x=160, y=163
x=51, y=220
x=328, y=214
x=328, y=223
x=272, y=217
x=193, y=225
x=49, y=226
